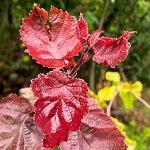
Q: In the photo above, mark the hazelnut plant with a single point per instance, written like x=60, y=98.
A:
x=64, y=115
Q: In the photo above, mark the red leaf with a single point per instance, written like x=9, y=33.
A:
x=97, y=132
x=94, y=37
x=55, y=47
x=82, y=30
x=17, y=130
x=109, y=51
x=61, y=105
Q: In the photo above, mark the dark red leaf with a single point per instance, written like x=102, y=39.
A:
x=97, y=132
x=82, y=30
x=55, y=47
x=109, y=51
x=17, y=130
x=61, y=105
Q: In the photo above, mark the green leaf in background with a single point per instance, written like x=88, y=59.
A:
x=127, y=99
x=107, y=93
x=146, y=133
x=26, y=58
x=129, y=142
x=126, y=93
x=14, y=76
x=137, y=88
x=126, y=96
x=113, y=76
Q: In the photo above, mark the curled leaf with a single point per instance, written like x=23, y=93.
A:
x=61, y=105
x=52, y=47
x=82, y=30
x=109, y=51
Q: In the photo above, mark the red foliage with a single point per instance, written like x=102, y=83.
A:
x=97, y=132
x=52, y=47
x=82, y=30
x=93, y=38
x=17, y=130
x=62, y=99
x=109, y=51
x=61, y=105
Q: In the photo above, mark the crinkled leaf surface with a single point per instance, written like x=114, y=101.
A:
x=109, y=51
x=97, y=132
x=129, y=142
x=82, y=30
x=52, y=47
x=17, y=130
x=61, y=105
x=92, y=39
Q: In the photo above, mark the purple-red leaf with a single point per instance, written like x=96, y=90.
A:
x=97, y=132
x=17, y=130
x=61, y=105
x=109, y=51
x=82, y=30
x=52, y=47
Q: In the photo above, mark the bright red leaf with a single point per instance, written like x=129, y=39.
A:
x=61, y=105
x=17, y=130
x=97, y=132
x=109, y=51
x=82, y=30
x=52, y=47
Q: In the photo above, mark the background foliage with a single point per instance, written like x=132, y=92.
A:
x=113, y=17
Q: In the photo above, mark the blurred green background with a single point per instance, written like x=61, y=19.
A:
x=111, y=16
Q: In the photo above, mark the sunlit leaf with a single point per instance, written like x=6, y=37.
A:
x=52, y=47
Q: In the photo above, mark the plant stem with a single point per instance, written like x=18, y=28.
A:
x=84, y=58
x=141, y=100
x=111, y=102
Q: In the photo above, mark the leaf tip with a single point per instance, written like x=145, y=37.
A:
x=127, y=34
x=34, y=5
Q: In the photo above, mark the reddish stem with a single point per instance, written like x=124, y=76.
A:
x=84, y=58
